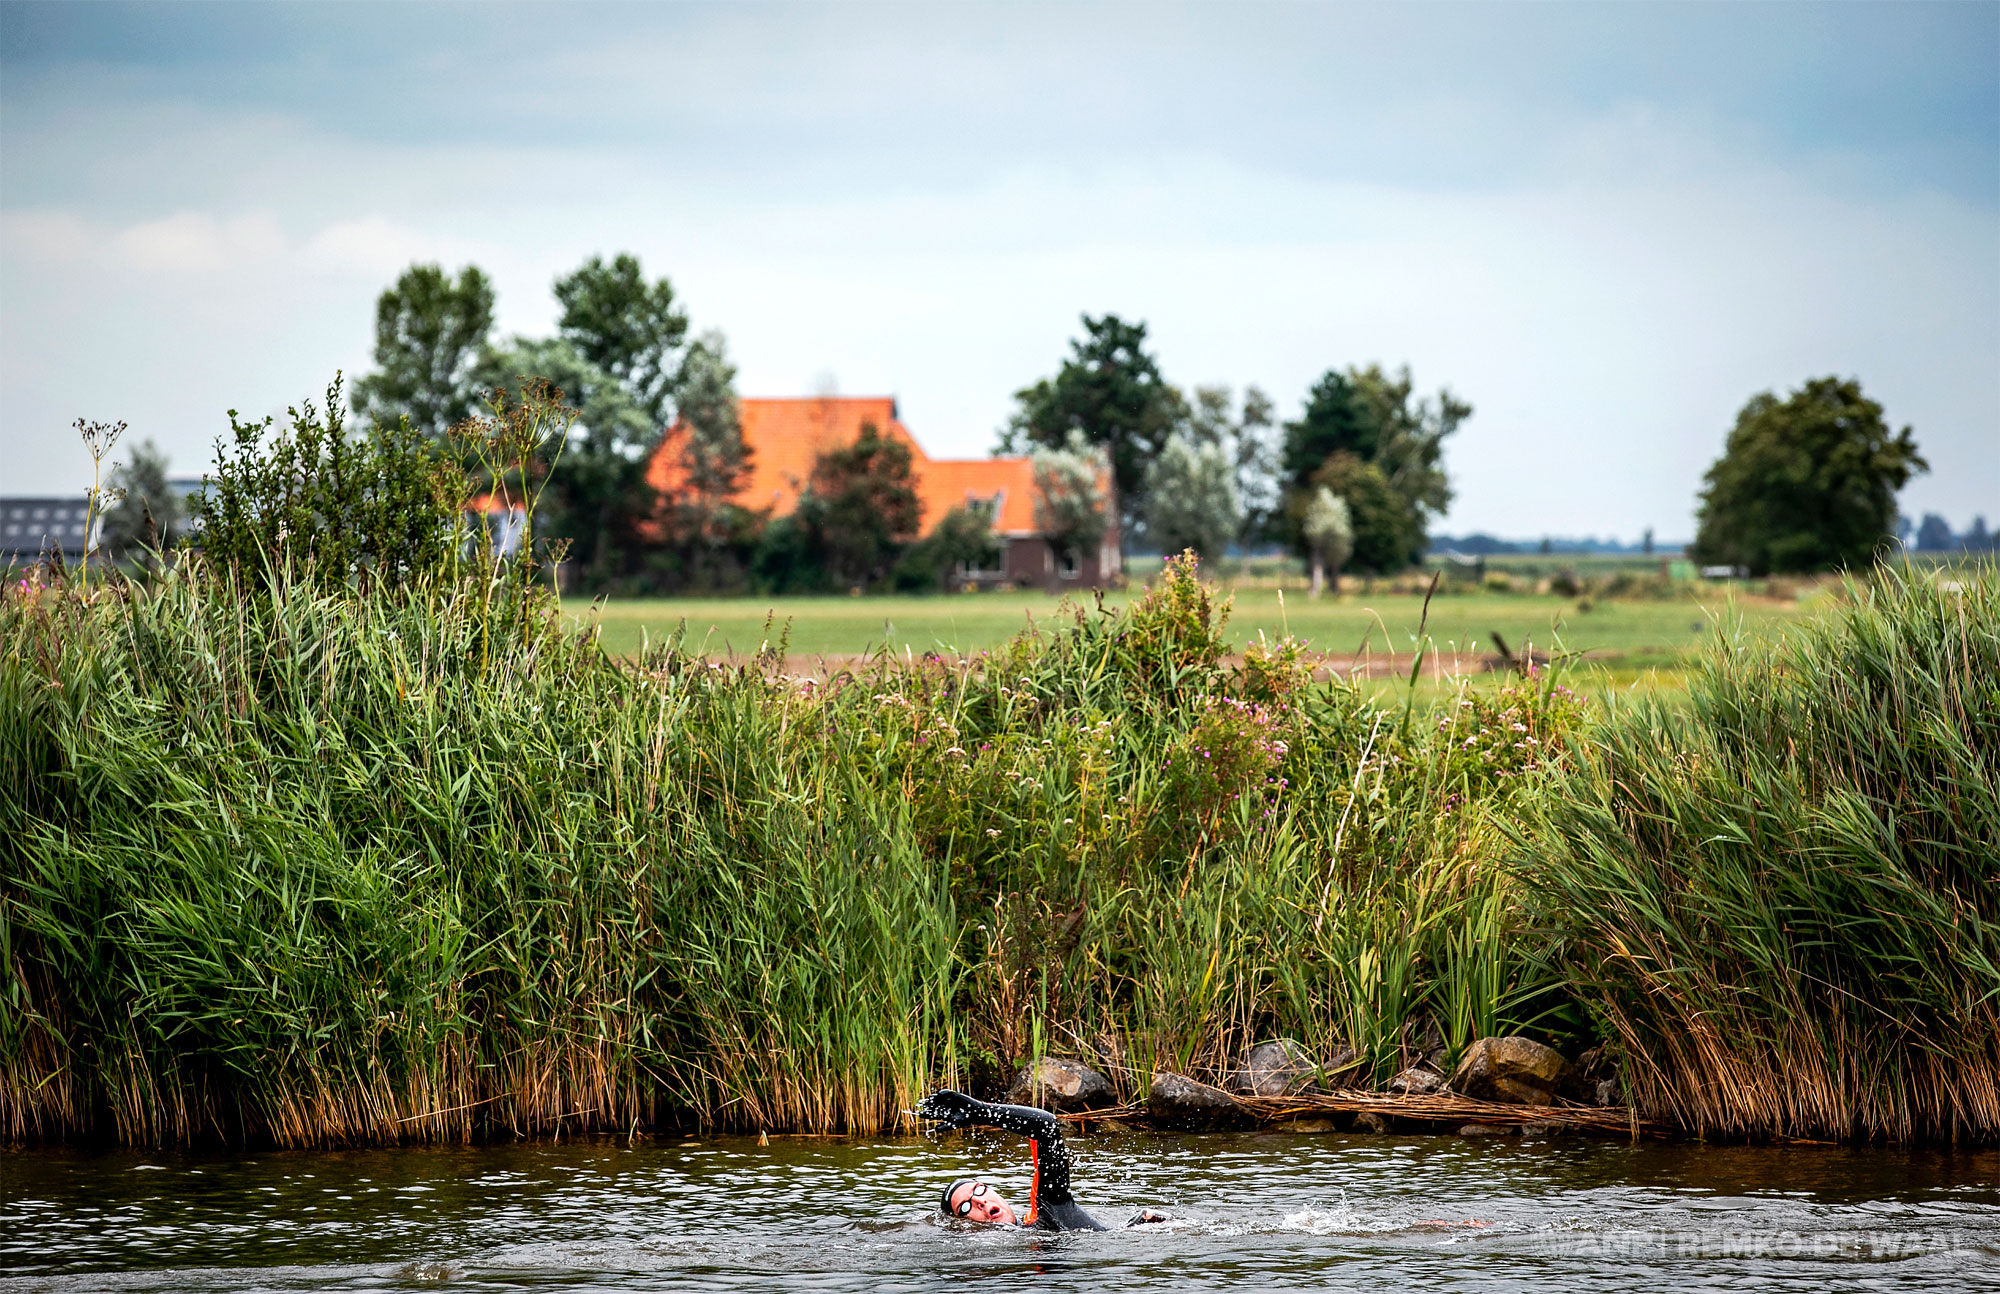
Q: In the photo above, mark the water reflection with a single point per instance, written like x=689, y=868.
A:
x=1263, y=1210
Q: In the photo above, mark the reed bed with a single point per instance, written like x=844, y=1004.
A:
x=1782, y=895
x=308, y=865
x=305, y=863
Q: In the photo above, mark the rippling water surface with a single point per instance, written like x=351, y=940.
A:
x=1269, y=1211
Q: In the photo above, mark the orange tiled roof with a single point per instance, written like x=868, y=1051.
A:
x=787, y=436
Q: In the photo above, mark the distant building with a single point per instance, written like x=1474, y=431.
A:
x=787, y=436
x=33, y=525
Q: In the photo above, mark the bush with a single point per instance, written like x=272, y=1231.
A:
x=385, y=507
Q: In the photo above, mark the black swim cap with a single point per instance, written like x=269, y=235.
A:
x=944, y=1201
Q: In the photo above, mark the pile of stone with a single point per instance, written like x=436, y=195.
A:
x=1500, y=1086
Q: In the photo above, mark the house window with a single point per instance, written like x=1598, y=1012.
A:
x=1070, y=567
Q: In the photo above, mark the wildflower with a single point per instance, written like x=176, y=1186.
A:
x=992, y=831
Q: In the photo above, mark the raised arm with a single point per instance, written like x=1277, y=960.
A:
x=1050, y=1203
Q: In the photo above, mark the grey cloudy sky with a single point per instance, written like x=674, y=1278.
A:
x=1605, y=225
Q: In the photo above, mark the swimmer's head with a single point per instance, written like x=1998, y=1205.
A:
x=975, y=1201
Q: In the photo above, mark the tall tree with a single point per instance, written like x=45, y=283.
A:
x=1934, y=535
x=1334, y=421
x=1382, y=538
x=429, y=332
x=1409, y=435
x=707, y=441
x=714, y=452
x=1805, y=483
x=147, y=514
x=626, y=326
x=599, y=498
x=860, y=507
x=1376, y=418
x=1245, y=434
x=1111, y=393
x=1329, y=533
x=1070, y=509
x=1191, y=499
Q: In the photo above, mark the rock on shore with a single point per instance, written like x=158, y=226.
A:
x=1067, y=1086
x=1281, y=1068
x=1513, y=1070
x=1177, y=1101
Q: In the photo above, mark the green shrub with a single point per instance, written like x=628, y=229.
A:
x=331, y=507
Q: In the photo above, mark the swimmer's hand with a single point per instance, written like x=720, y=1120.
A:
x=952, y=1109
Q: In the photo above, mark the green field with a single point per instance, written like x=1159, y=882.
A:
x=1619, y=635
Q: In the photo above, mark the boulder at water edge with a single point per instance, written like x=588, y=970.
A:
x=1417, y=1080
x=1065, y=1085
x=1281, y=1068
x=1177, y=1101
x=1516, y=1071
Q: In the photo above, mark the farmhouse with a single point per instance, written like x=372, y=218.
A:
x=787, y=436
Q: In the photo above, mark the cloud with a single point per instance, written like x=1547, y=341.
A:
x=1606, y=246
x=377, y=248
x=194, y=242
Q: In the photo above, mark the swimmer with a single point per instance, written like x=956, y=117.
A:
x=1050, y=1204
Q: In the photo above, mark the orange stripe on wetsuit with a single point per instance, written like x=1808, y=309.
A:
x=1034, y=1187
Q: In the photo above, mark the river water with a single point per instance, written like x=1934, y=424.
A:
x=1250, y=1211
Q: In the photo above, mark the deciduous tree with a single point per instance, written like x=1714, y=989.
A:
x=1934, y=535
x=1070, y=507
x=1376, y=418
x=1329, y=531
x=147, y=514
x=1110, y=392
x=626, y=326
x=706, y=440
x=598, y=498
x=1383, y=539
x=860, y=507
x=429, y=332
x=1805, y=483
x=1191, y=499
x=1246, y=434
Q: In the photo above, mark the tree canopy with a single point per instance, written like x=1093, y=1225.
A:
x=1383, y=540
x=1244, y=433
x=148, y=513
x=1369, y=417
x=601, y=500
x=1191, y=499
x=429, y=332
x=707, y=441
x=1805, y=483
x=626, y=326
x=1069, y=505
x=1110, y=392
x=1329, y=533
x=1332, y=422
x=861, y=506
x=713, y=451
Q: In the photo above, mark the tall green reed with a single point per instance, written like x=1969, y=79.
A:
x=1783, y=896
x=305, y=861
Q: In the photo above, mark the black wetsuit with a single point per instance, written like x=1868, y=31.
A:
x=1050, y=1205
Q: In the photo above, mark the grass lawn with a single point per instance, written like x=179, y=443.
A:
x=1623, y=637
